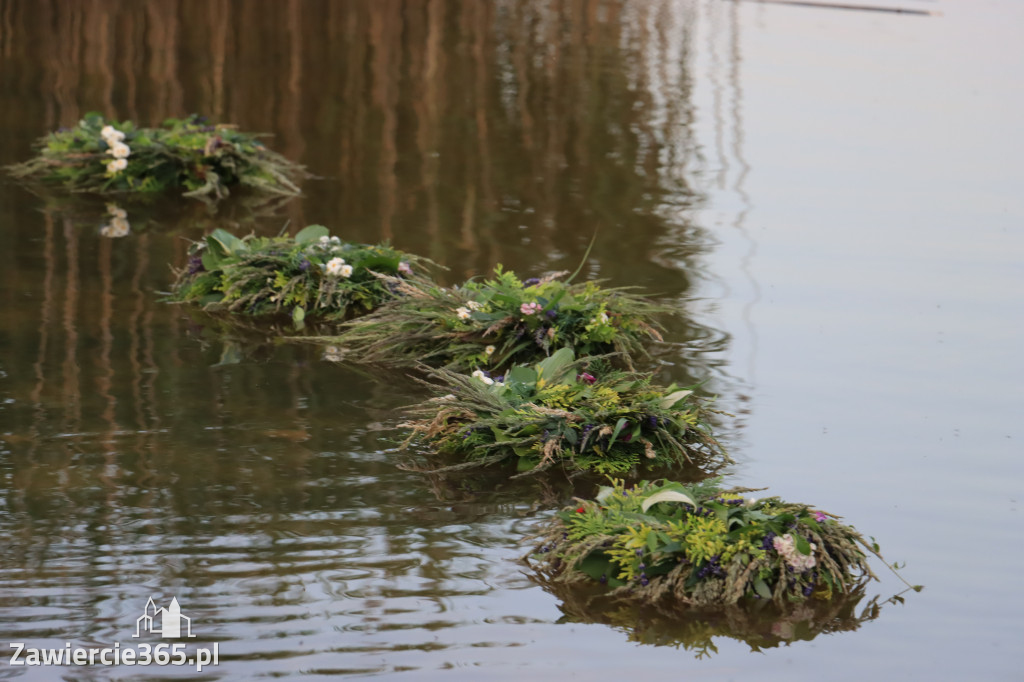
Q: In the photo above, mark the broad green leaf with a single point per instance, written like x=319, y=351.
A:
x=652, y=542
x=801, y=544
x=552, y=367
x=671, y=399
x=298, y=314
x=227, y=241
x=666, y=496
x=211, y=261
x=311, y=233
x=761, y=587
x=522, y=375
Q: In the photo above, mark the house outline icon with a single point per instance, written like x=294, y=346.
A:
x=165, y=622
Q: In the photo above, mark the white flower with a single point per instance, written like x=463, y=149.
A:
x=111, y=134
x=114, y=209
x=336, y=265
x=118, y=227
x=325, y=240
x=463, y=313
x=490, y=350
x=119, y=150
x=473, y=305
x=786, y=547
x=336, y=240
x=116, y=166
x=479, y=374
x=446, y=398
x=346, y=270
x=404, y=269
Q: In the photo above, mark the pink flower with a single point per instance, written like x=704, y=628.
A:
x=530, y=308
x=820, y=517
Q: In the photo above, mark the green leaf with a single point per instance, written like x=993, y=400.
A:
x=522, y=375
x=553, y=367
x=801, y=544
x=311, y=233
x=618, y=429
x=211, y=261
x=666, y=496
x=761, y=587
x=669, y=401
x=298, y=314
x=652, y=542
x=227, y=241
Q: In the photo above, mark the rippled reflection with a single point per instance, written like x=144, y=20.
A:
x=758, y=625
x=146, y=451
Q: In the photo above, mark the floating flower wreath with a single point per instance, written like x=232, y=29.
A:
x=702, y=546
x=575, y=415
x=310, y=274
x=503, y=321
x=204, y=160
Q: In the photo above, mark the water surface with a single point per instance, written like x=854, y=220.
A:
x=830, y=199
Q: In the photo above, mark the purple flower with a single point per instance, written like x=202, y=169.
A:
x=195, y=264
x=551, y=314
x=820, y=517
x=586, y=378
x=304, y=265
x=530, y=282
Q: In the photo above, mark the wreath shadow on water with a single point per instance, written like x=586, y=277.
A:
x=759, y=624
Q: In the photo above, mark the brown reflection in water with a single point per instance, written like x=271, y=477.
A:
x=71, y=397
x=104, y=381
x=36, y=395
x=470, y=132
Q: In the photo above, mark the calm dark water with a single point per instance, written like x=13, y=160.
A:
x=857, y=311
